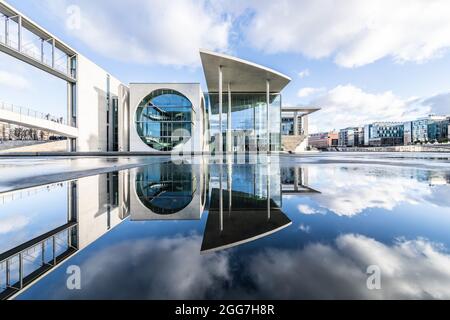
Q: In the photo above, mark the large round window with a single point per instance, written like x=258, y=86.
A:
x=164, y=119
x=166, y=188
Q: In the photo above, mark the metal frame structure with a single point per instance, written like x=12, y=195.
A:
x=42, y=242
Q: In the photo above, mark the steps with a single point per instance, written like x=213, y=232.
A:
x=293, y=143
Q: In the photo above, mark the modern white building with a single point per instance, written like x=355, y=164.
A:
x=240, y=112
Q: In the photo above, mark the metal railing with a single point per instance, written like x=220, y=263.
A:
x=33, y=113
x=62, y=67
x=22, y=194
x=22, y=265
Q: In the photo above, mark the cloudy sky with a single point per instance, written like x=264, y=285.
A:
x=361, y=61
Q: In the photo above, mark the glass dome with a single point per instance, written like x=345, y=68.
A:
x=164, y=119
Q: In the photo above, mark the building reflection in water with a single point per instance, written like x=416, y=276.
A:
x=243, y=200
x=244, y=204
x=168, y=191
x=295, y=180
x=95, y=205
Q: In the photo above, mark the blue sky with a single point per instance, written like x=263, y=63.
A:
x=360, y=61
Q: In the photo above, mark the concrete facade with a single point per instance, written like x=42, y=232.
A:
x=92, y=105
x=324, y=140
x=192, y=91
x=101, y=110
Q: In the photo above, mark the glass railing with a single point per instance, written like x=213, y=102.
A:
x=33, y=113
x=61, y=63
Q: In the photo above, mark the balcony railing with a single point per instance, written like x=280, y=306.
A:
x=33, y=113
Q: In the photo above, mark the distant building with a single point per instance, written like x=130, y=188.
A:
x=351, y=137
x=407, y=133
x=438, y=130
x=324, y=140
x=295, y=128
x=384, y=134
x=420, y=128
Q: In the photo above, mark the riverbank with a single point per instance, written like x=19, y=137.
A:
x=412, y=148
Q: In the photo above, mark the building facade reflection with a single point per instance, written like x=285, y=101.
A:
x=94, y=205
x=243, y=201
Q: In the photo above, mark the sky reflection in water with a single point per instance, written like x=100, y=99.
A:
x=324, y=224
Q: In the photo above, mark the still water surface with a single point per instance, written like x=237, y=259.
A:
x=281, y=228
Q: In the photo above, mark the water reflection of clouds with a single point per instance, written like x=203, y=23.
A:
x=414, y=269
x=171, y=268
x=151, y=268
x=348, y=191
x=13, y=223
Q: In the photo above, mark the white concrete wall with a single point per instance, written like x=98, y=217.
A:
x=91, y=105
x=92, y=210
x=192, y=91
x=139, y=212
x=124, y=118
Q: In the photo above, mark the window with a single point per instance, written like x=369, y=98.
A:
x=164, y=119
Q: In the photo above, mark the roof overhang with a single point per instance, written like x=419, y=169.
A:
x=303, y=111
x=242, y=75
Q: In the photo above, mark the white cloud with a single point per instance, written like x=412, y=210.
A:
x=306, y=92
x=353, y=32
x=440, y=103
x=347, y=105
x=13, y=80
x=410, y=269
x=304, y=73
x=13, y=223
x=306, y=209
x=350, y=190
x=150, y=31
x=163, y=268
x=304, y=228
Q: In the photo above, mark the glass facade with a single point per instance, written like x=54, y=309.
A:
x=165, y=188
x=248, y=122
x=164, y=119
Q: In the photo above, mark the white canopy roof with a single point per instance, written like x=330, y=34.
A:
x=243, y=76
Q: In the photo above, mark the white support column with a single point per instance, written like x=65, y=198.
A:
x=268, y=189
x=42, y=50
x=305, y=125
x=229, y=145
x=296, y=124
x=268, y=113
x=230, y=184
x=53, y=53
x=6, y=30
x=220, y=196
x=220, y=110
x=19, y=33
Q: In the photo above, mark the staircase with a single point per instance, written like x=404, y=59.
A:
x=293, y=143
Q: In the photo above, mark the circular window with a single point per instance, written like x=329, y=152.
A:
x=166, y=188
x=164, y=119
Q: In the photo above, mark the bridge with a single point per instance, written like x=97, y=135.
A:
x=37, y=120
x=40, y=254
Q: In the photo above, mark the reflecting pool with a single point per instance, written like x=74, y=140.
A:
x=241, y=227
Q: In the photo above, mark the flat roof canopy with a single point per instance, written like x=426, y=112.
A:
x=243, y=76
x=289, y=111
